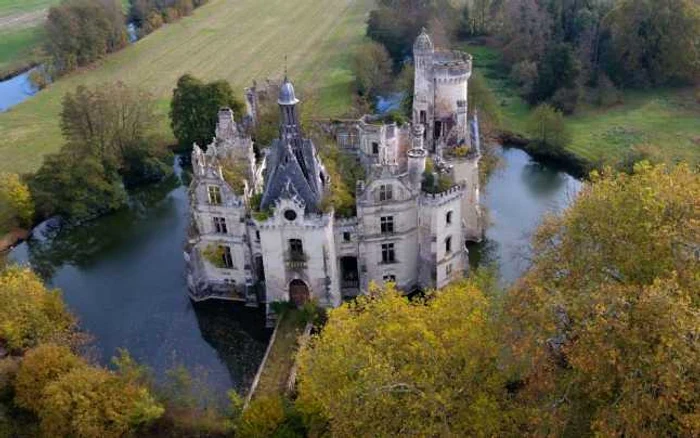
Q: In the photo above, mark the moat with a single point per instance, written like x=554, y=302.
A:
x=124, y=274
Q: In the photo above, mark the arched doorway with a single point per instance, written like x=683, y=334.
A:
x=298, y=293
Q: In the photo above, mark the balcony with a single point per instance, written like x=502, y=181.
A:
x=296, y=260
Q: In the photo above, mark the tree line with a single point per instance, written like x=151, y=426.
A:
x=80, y=32
x=555, y=48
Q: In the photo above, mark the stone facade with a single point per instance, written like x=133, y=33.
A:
x=268, y=238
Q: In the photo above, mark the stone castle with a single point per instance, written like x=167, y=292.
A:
x=265, y=235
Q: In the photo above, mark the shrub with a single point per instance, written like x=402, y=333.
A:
x=214, y=254
x=566, y=99
x=30, y=314
x=90, y=401
x=40, y=367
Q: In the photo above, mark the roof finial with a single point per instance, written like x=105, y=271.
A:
x=285, y=68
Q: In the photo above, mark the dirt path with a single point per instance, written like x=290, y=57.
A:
x=22, y=20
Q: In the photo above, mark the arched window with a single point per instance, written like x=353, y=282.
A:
x=448, y=218
x=448, y=245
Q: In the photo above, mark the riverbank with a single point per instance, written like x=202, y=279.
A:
x=12, y=238
x=666, y=119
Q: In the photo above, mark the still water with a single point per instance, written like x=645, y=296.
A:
x=15, y=90
x=123, y=275
x=516, y=198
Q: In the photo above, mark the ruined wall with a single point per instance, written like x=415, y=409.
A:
x=466, y=170
x=404, y=211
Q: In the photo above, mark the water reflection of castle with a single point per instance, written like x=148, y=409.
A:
x=403, y=232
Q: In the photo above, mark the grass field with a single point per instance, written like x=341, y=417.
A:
x=21, y=32
x=666, y=118
x=236, y=40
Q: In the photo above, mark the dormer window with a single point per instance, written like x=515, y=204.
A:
x=214, y=194
x=386, y=193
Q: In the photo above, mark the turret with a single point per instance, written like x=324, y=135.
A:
x=423, y=88
x=416, y=158
x=289, y=120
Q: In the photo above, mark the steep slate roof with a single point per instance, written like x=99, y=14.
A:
x=292, y=167
x=285, y=175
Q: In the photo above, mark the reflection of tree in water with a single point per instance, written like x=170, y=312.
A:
x=541, y=179
x=238, y=335
x=483, y=254
x=53, y=246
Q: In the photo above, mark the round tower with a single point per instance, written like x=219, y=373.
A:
x=416, y=157
x=423, y=88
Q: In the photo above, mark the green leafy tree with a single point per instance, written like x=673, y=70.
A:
x=75, y=187
x=79, y=32
x=195, y=106
x=30, y=313
x=113, y=122
x=372, y=68
x=93, y=402
x=386, y=366
x=654, y=41
x=605, y=324
x=558, y=70
x=548, y=129
x=16, y=206
x=40, y=367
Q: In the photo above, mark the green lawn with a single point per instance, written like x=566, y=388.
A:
x=666, y=118
x=19, y=48
x=236, y=40
x=10, y=7
x=21, y=32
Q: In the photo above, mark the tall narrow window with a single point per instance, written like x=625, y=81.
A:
x=448, y=218
x=375, y=148
x=448, y=269
x=296, y=249
x=227, y=257
x=448, y=245
x=388, y=253
x=387, y=224
x=438, y=130
x=386, y=193
x=220, y=225
x=214, y=193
